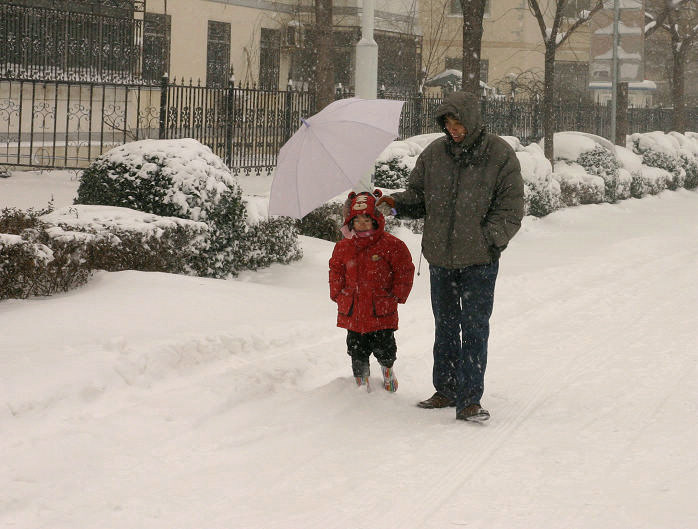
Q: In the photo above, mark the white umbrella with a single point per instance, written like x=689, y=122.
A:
x=331, y=152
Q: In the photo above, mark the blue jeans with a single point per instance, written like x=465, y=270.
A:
x=462, y=301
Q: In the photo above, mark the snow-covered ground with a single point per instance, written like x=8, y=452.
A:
x=147, y=400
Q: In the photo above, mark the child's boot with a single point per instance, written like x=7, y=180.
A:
x=363, y=381
x=362, y=370
x=389, y=379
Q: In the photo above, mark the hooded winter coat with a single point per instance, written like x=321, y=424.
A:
x=470, y=194
x=369, y=276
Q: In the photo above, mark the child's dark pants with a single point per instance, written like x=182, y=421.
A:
x=360, y=346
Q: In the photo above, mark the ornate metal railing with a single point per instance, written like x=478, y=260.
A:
x=67, y=124
x=80, y=40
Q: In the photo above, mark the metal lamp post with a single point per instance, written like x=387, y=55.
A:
x=366, y=71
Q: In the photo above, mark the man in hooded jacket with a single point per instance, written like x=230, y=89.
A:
x=468, y=187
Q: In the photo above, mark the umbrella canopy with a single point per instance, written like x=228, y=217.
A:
x=331, y=152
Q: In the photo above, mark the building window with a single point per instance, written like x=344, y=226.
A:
x=48, y=39
x=571, y=78
x=573, y=8
x=218, y=54
x=457, y=10
x=454, y=63
x=269, y=59
x=156, y=45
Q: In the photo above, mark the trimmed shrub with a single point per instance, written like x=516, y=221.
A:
x=45, y=253
x=690, y=167
x=670, y=164
x=392, y=174
x=125, y=239
x=541, y=199
x=30, y=265
x=183, y=178
x=649, y=181
x=623, y=184
x=603, y=163
x=324, y=222
x=271, y=241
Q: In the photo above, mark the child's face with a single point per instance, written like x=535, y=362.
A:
x=363, y=223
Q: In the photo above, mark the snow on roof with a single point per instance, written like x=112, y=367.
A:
x=455, y=73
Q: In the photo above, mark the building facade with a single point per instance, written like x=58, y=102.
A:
x=264, y=43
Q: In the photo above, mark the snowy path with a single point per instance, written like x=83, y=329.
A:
x=155, y=401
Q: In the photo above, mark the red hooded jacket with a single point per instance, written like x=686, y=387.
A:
x=370, y=275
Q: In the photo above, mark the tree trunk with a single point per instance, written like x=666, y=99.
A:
x=324, y=70
x=548, y=100
x=473, y=12
x=677, y=88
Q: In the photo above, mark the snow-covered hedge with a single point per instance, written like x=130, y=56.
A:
x=542, y=193
x=587, y=169
x=44, y=252
x=396, y=162
x=125, y=239
x=323, y=222
x=185, y=179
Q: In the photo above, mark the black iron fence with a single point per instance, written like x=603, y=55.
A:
x=67, y=124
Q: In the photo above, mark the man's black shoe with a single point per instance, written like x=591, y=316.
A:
x=474, y=413
x=437, y=400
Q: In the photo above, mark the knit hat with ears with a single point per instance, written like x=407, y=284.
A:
x=364, y=204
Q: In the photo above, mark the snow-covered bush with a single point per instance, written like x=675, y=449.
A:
x=690, y=167
x=46, y=252
x=577, y=186
x=603, y=163
x=392, y=174
x=273, y=240
x=324, y=222
x=117, y=239
x=649, y=181
x=394, y=165
x=28, y=265
x=676, y=175
x=185, y=179
x=541, y=191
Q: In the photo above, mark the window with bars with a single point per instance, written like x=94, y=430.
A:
x=571, y=77
x=156, y=45
x=218, y=54
x=269, y=59
x=573, y=8
x=81, y=39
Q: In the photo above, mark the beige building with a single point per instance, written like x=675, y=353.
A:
x=267, y=43
x=512, y=45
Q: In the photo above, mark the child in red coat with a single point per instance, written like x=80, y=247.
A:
x=370, y=273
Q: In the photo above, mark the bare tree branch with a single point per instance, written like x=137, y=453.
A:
x=580, y=22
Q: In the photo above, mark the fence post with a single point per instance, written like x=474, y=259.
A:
x=512, y=115
x=288, y=114
x=536, y=119
x=164, y=82
x=418, y=108
x=229, y=116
